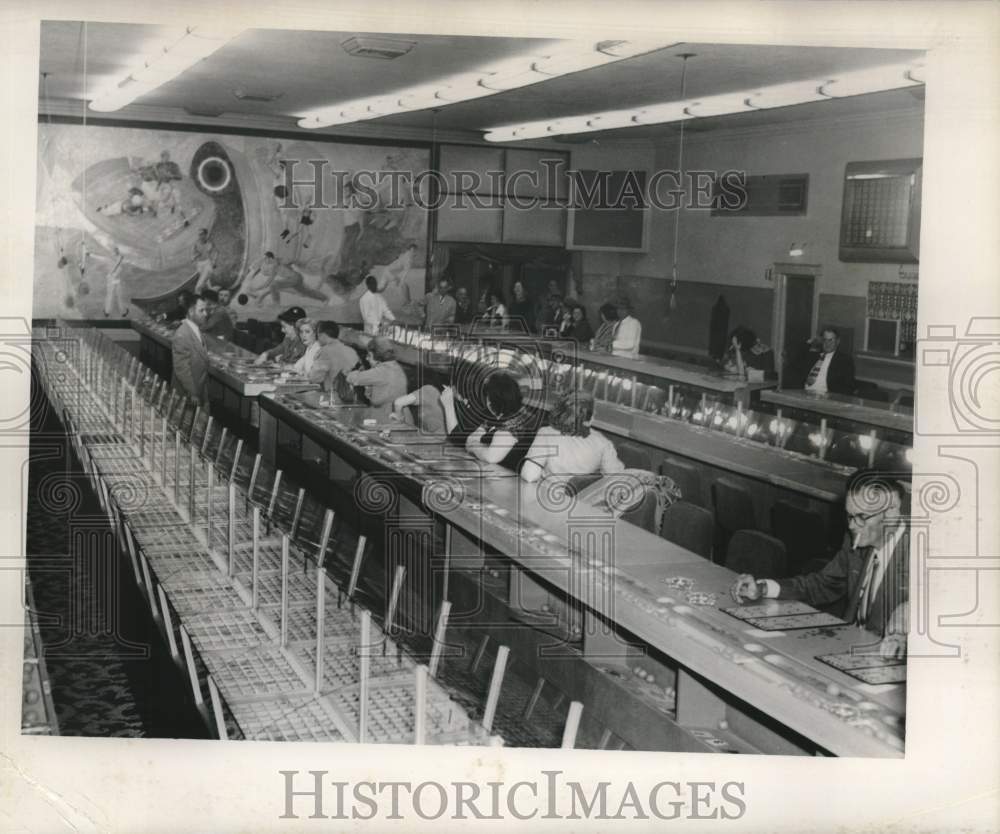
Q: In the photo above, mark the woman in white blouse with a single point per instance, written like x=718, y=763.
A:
x=306, y=329
x=568, y=445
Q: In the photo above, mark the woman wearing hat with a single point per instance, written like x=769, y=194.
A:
x=291, y=348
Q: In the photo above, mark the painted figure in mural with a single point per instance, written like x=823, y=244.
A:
x=270, y=277
x=204, y=256
x=113, y=291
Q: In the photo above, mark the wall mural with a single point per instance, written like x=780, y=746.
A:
x=129, y=217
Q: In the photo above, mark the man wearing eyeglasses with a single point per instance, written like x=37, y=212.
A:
x=869, y=572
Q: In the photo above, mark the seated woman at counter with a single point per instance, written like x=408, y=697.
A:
x=385, y=381
x=506, y=434
x=290, y=348
x=747, y=351
x=496, y=312
x=605, y=335
x=577, y=327
x=305, y=328
x=568, y=445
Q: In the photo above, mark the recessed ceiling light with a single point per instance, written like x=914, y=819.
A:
x=384, y=48
x=246, y=95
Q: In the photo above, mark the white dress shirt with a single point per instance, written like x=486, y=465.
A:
x=819, y=385
x=196, y=329
x=628, y=334
x=874, y=572
x=373, y=311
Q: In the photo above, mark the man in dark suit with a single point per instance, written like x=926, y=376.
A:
x=190, y=357
x=828, y=370
x=870, y=572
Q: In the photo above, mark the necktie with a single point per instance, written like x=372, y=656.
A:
x=814, y=373
x=864, y=595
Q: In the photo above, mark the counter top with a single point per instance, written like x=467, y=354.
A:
x=544, y=534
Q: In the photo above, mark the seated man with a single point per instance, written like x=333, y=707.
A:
x=218, y=321
x=628, y=331
x=870, y=571
x=334, y=356
x=431, y=418
x=831, y=370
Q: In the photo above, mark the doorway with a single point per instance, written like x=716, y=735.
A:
x=795, y=312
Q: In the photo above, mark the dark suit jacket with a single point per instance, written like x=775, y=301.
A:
x=839, y=376
x=190, y=359
x=840, y=580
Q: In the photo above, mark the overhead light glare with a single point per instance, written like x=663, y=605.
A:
x=858, y=82
x=179, y=52
x=522, y=71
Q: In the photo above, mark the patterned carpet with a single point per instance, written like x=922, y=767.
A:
x=110, y=673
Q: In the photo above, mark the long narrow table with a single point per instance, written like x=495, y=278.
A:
x=234, y=382
x=859, y=412
x=810, y=478
x=725, y=387
x=615, y=571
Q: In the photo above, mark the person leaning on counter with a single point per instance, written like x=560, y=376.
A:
x=333, y=357
x=385, y=380
x=869, y=573
x=290, y=348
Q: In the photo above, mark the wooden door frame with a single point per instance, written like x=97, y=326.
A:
x=781, y=272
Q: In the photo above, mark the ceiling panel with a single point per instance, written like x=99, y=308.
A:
x=308, y=69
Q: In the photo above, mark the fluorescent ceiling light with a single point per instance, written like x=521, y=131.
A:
x=179, y=51
x=859, y=82
x=543, y=64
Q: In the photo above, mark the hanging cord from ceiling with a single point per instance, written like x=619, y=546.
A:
x=680, y=177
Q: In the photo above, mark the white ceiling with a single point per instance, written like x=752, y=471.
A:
x=309, y=69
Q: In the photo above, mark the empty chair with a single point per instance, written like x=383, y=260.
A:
x=733, y=511
x=633, y=457
x=686, y=476
x=689, y=526
x=756, y=553
x=644, y=513
x=801, y=530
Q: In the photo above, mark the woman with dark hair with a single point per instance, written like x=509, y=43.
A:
x=605, y=335
x=747, y=351
x=568, y=445
x=505, y=434
x=290, y=349
x=578, y=328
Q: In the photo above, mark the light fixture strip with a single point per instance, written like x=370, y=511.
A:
x=181, y=51
x=563, y=59
x=858, y=82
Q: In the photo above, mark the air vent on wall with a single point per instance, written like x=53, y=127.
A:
x=383, y=48
x=260, y=96
x=770, y=195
